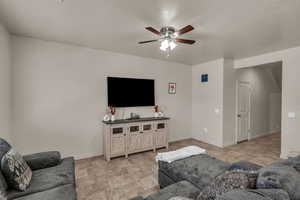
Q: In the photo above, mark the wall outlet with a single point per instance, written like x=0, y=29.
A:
x=217, y=111
x=291, y=115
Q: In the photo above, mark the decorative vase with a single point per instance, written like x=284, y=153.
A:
x=112, y=118
x=160, y=114
x=106, y=118
x=156, y=114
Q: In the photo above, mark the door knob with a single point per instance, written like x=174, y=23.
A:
x=239, y=115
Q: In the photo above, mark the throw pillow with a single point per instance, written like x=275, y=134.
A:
x=230, y=180
x=16, y=171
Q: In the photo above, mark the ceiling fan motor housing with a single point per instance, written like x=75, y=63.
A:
x=170, y=34
x=167, y=31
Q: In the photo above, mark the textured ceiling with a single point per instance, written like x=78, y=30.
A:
x=231, y=28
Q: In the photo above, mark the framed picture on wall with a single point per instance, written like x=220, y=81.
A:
x=172, y=88
x=204, y=78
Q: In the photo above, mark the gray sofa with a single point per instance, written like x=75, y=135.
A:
x=188, y=178
x=53, y=178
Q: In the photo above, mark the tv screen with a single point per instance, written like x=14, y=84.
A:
x=130, y=92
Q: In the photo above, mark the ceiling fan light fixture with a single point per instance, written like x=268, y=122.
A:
x=162, y=48
x=172, y=45
x=164, y=45
x=167, y=44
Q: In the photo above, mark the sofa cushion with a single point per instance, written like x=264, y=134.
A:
x=48, y=178
x=199, y=170
x=164, y=180
x=245, y=165
x=43, y=160
x=281, y=177
x=16, y=171
x=65, y=192
x=268, y=194
x=183, y=189
x=229, y=181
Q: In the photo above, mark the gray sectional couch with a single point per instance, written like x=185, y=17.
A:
x=48, y=183
x=188, y=178
x=53, y=178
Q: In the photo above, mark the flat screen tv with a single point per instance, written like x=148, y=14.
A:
x=130, y=92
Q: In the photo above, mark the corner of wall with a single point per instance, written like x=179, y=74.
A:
x=5, y=85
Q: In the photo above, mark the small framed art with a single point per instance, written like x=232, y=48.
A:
x=172, y=88
x=204, y=78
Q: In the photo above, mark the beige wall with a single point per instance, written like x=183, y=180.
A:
x=229, y=97
x=275, y=112
x=213, y=103
x=207, y=101
x=59, y=95
x=5, y=84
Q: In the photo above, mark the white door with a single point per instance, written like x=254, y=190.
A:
x=243, y=110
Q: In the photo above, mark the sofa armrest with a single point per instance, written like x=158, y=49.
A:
x=137, y=198
x=43, y=160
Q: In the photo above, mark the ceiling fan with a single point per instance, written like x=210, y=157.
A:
x=169, y=37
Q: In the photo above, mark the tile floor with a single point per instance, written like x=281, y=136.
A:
x=121, y=179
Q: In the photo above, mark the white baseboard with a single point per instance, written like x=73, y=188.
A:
x=275, y=131
x=259, y=135
x=87, y=155
x=264, y=134
x=228, y=144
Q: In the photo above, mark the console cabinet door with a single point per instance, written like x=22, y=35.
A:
x=118, y=145
x=148, y=141
x=161, y=139
x=134, y=138
x=148, y=135
x=118, y=142
x=161, y=134
x=133, y=143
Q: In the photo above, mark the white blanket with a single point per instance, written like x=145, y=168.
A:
x=179, y=154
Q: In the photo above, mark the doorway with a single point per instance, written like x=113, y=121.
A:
x=258, y=101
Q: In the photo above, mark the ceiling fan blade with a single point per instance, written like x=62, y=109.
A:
x=185, y=30
x=153, y=30
x=185, y=41
x=143, y=42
